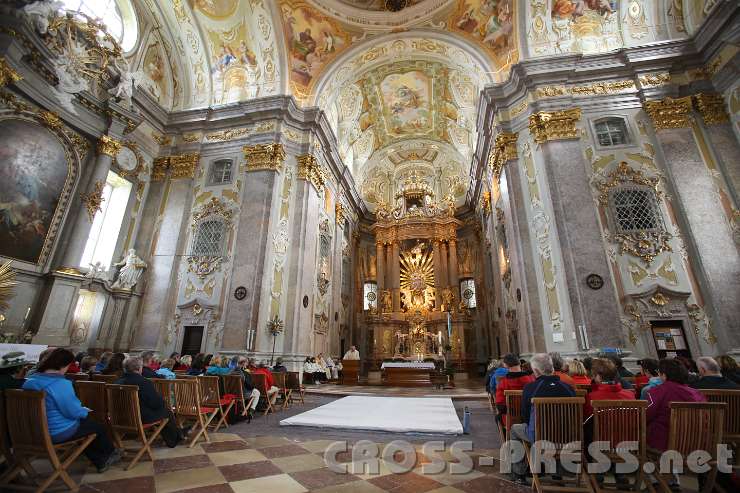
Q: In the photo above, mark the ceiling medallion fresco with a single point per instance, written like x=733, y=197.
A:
x=492, y=24
x=215, y=9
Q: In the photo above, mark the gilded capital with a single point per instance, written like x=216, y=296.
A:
x=669, y=112
x=184, y=165
x=309, y=169
x=261, y=157
x=504, y=149
x=108, y=146
x=554, y=125
x=159, y=168
x=711, y=107
x=7, y=74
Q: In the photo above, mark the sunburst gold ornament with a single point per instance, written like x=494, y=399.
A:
x=275, y=326
x=7, y=282
x=417, y=269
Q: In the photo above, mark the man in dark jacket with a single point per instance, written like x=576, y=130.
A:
x=151, y=404
x=546, y=384
x=711, y=376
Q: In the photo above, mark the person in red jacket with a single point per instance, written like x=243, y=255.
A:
x=605, y=386
x=515, y=379
x=272, y=391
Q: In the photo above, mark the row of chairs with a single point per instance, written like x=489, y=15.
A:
x=693, y=426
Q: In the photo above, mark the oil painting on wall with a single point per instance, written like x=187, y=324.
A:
x=491, y=23
x=312, y=39
x=406, y=102
x=33, y=174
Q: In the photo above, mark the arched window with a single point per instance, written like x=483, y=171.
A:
x=467, y=292
x=611, y=132
x=118, y=16
x=209, y=239
x=635, y=209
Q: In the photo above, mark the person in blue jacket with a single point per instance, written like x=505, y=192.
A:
x=67, y=418
x=497, y=374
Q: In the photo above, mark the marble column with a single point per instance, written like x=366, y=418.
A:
x=380, y=268
x=396, y=275
x=90, y=200
x=437, y=273
x=707, y=229
x=454, y=280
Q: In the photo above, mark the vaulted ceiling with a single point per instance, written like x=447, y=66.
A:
x=400, y=88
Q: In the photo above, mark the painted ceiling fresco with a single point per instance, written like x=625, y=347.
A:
x=376, y=5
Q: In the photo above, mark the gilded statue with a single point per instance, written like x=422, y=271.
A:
x=386, y=301
x=448, y=299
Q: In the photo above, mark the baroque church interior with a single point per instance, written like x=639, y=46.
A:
x=425, y=180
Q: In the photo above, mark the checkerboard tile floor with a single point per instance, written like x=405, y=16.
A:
x=235, y=464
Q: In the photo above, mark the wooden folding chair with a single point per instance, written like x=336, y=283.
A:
x=125, y=418
x=13, y=467
x=234, y=385
x=189, y=407
x=558, y=421
x=164, y=389
x=693, y=426
x=211, y=396
x=92, y=396
x=293, y=382
x=259, y=381
x=281, y=383
x=99, y=377
x=619, y=422
x=731, y=430
x=581, y=392
x=31, y=440
x=513, y=413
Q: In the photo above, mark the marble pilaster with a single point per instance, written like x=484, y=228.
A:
x=454, y=281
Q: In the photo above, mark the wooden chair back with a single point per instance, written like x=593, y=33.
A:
x=209, y=391
x=123, y=405
x=234, y=385
x=164, y=388
x=259, y=380
x=350, y=371
x=99, y=377
x=293, y=380
x=5, y=448
x=280, y=381
x=513, y=407
x=696, y=426
x=559, y=420
x=187, y=397
x=92, y=395
x=621, y=421
x=581, y=392
x=731, y=432
x=29, y=434
x=76, y=376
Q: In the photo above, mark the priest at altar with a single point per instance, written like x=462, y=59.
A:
x=352, y=354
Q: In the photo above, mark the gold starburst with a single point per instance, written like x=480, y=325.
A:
x=417, y=269
x=7, y=282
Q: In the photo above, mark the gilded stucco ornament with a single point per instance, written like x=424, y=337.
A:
x=485, y=203
x=556, y=125
x=624, y=173
x=310, y=170
x=93, y=200
x=339, y=213
x=669, y=112
x=711, y=107
x=504, y=149
x=204, y=265
x=108, y=146
x=7, y=74
x=180, y=166
x=261, y=157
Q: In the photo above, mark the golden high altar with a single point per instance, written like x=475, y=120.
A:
x=418, y=309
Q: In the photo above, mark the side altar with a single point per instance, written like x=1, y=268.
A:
x=419, y=312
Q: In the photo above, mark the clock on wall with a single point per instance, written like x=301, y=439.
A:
x=595, y=281
x=240, y=293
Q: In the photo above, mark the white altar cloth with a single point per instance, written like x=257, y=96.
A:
x=425, y=365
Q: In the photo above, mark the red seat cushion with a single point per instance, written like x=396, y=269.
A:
x=227, y=398
x=206, y=410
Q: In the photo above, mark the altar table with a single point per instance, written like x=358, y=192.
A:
x=407, y=373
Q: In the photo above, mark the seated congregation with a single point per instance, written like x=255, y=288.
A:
x=68, y=405
x=674, y=405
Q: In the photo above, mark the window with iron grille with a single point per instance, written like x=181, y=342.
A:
x=635, y=209
x=209, y=240
x=221, y=171
x=611, y=132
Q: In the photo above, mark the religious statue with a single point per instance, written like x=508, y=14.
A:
x=124, y=90
x=386, y=301
x=96, y=271
x=448, y=299
x=131, y=269
x=40, y=12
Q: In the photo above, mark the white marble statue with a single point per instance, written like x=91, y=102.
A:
x=40, y=12
x=131, y=269
x=124, y=90
x=97, y=271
